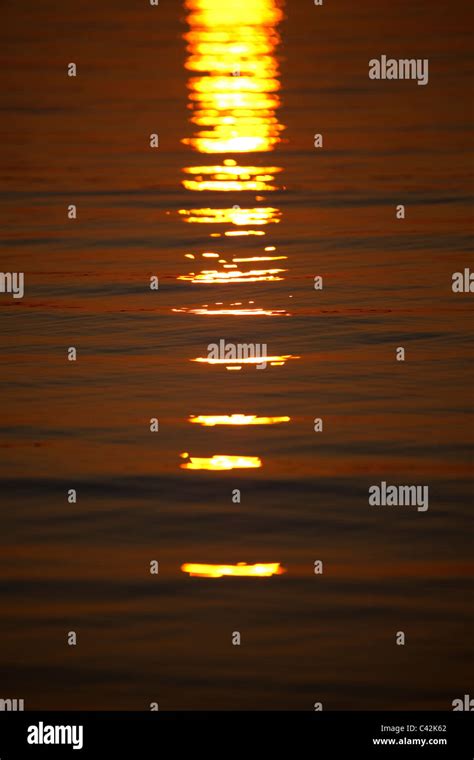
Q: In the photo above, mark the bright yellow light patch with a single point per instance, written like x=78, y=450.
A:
x=242, y=233
x=259, y=258
x=233, y=178
x=209, y=420
x=244, y=312
x=261, y=570
x=213, y=276
x=237, y=216
x=233, y=92
x=221, y=462
x=276, y=360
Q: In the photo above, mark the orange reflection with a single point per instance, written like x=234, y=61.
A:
x=242, y=233
x=220, y=462
x=230, y=178
x=273, y=360
x=205, y=311
x=209, y=420
x=240, y=569
x=233, y=96
x=237, y=216
x=233, y=100
x=210, y=276
x=259, y=258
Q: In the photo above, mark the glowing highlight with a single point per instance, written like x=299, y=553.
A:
x=241, y=569
x=210, y=420
x=221, y=462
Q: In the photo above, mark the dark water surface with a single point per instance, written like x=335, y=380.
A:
x=84, y=567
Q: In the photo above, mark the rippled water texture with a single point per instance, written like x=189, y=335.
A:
x=235, y=212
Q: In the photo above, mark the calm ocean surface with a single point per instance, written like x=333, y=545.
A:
x=85, y=425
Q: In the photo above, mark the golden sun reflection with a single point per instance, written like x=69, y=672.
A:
x=244, y=312
x=209, y=276
x=239, y=233
x=233, y=95
x=229, y=178
x=220, y=462
x=261, y=570
x=259, y=258
x=233, y=99
x=234, y=102
x=237, y=216
x=209, y=420
x=275, y=361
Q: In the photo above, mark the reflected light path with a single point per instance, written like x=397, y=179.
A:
x=233, y=91
x=220, y=462
x=252, y=360
x=230, y=178
x=233, y=99
x=233, y=103
x=207, y=276
x=237, y=216
x=209, y=420
x=235, y=312
x=240, y=569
